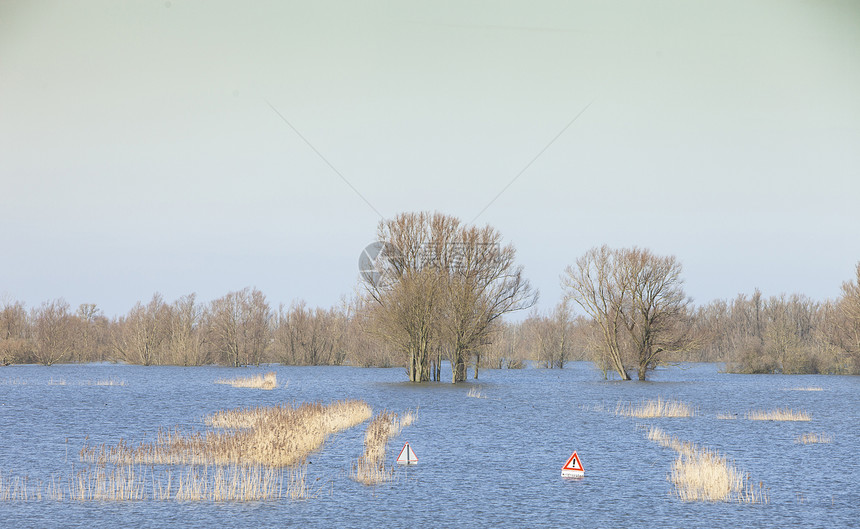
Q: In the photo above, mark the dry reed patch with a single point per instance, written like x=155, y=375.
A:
x=370, y=468
x=654, y=408
x=813, y=438
x=276, y=437
x=663, y=439
x=727, y=416
x=702, y=474
x=784, y=414
x=120, y=483
x=58, y=382
x=236, y=483
x=233, y=483
x=807, y=388
x=259, y=381
x=706, y=475
x=19, y=488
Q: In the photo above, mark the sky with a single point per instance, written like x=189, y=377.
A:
x=178, y=146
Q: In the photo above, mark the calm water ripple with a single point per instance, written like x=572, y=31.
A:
x=484, y=462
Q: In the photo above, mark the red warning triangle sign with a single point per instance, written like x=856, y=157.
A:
x=407, y=456
x=573, y=467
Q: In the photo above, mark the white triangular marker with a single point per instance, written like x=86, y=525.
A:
x=407, y=456
x=573, y=467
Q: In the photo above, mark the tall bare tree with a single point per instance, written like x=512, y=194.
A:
x=442, y=286
x=637, y=300
x=408, y=292
x=483, y=284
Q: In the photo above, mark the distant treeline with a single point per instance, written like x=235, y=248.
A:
x=436, y=289
x=751, y=334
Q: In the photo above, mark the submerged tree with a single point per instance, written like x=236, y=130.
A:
x=483, y=282
x=439, y=286
x=636, y=299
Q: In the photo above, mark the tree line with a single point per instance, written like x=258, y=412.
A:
x=436, y=290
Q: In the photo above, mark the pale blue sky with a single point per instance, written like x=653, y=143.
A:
x=138, y=152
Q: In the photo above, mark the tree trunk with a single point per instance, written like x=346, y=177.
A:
x=458, y=368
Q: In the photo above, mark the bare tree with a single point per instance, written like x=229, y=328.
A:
x=507, y=349
x=362, y=345
x=849, y=308
x=91, y=329
x=551, y=337
x=239, y=324
x=637, y=300
x=441, y=286
x=15, y=343
x=309, y=337
x=139, y=337
x=483, y=283
x=406, y=290
x=54, y=332
x=597, y=285
x=187, y=341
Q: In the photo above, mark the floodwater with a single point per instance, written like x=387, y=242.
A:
x=483, y=462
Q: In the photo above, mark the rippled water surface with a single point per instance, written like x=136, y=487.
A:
x=484, y=462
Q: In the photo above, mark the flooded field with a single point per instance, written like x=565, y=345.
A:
x=490, y=451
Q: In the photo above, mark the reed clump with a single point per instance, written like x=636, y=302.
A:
x=237, y=483
x=17, y=488
x=119, y=483
x=654, y=408
x=706, y=475
x=702, y=474
x=370, y=468
x=259, y=381
x=807, y=388
x=727, y=416
x=784, y=414
x=813, y=438
x=276, y=436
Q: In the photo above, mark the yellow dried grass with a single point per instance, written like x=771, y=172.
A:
x=371, y=469
x=654, y=408
x=259, y=381
x=234, y=483
x=702, y=474
x=275, y=436
x=784, y=414
x=706, y=475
